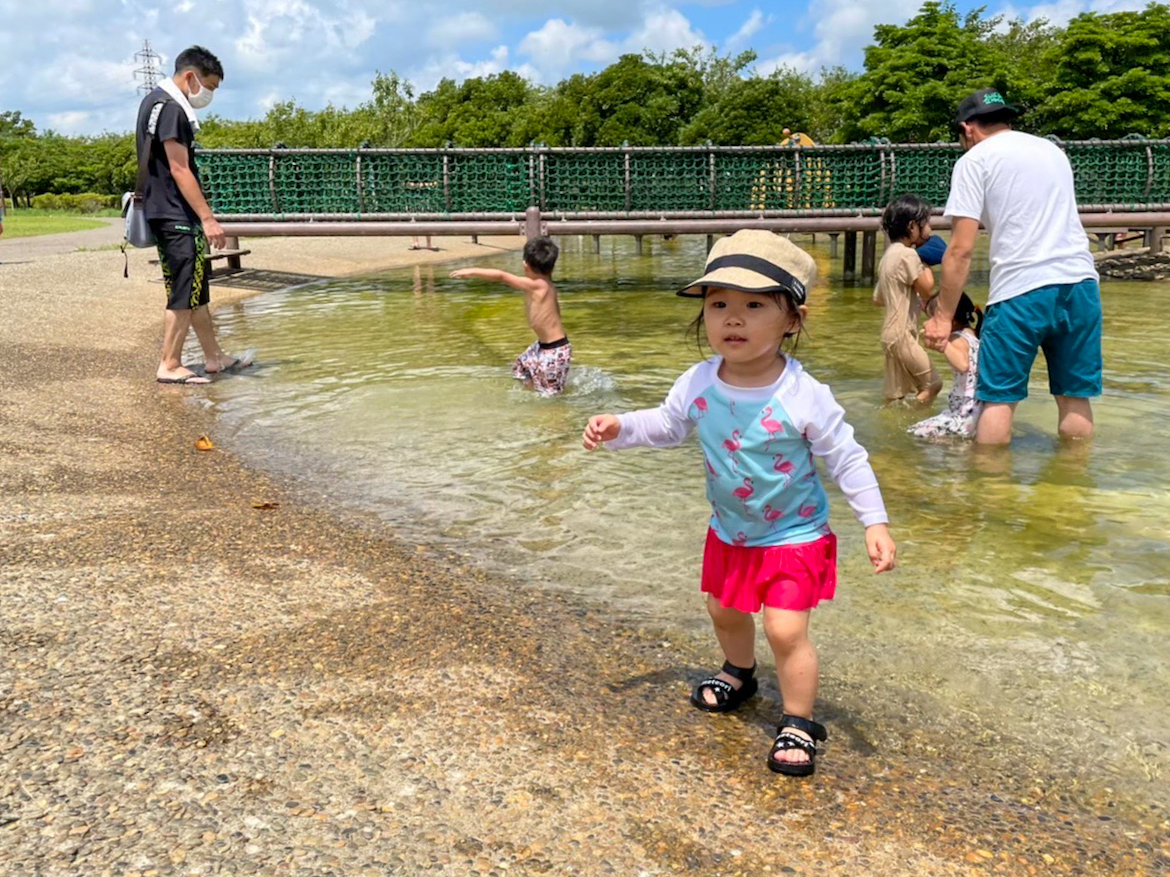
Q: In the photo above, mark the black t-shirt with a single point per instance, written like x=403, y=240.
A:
x=162, y=198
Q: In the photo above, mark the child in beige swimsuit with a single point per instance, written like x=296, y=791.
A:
x=903, y=284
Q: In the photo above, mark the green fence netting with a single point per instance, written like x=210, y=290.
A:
x=291, y=184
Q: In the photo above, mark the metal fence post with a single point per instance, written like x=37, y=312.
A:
x=446, y=181
x=626, y=153
x=797, y=179
x=361, y=192
x=532, y=223
x=711, y=173
x=540, y=179
x=272, y=181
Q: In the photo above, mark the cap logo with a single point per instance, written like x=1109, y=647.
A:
x=993, y=97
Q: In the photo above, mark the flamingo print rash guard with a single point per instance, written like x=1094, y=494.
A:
x=758, y=448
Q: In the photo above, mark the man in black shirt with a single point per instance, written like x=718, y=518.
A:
x=178, y=212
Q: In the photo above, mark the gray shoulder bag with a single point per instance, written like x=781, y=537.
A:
x=138, y=233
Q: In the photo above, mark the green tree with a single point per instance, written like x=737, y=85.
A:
x=482, y=111
x=639, y=102
x=916, y=73
x=13, y=124
x=1111, y=77
x=1023, y=54
x=754, y=112
x=827, y=108
x=392, y=116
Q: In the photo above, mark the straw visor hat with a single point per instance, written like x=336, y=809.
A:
x=756, y=260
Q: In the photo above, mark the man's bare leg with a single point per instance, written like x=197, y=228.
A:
x=213, y=356
x=995, y=423
x=176, y=323
x=1075, y=417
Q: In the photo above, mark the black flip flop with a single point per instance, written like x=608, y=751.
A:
x=185, y=379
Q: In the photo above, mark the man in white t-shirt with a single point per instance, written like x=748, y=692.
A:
x=1044, y=293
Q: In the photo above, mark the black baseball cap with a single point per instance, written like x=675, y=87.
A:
x=983, y=103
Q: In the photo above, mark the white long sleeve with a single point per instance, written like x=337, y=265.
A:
x=664, y=426
x=847, y=462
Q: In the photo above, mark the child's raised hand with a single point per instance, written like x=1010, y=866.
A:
x=600, y=428
x=881, y=548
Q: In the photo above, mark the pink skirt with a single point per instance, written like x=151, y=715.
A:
x=795, y=577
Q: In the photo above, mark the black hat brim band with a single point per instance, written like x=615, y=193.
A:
x=762, y=267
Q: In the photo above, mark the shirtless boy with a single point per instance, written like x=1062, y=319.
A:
x=544, y=366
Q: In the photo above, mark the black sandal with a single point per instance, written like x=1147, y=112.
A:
x=727, y=696
x=787, y=740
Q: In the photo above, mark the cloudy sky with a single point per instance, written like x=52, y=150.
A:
x=69, y=64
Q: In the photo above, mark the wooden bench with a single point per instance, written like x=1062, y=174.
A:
x=1116, y=238
x=233, y=261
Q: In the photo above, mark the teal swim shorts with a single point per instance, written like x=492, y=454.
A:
x=1062, y=320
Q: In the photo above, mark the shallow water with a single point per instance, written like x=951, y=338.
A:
x=1034, y=587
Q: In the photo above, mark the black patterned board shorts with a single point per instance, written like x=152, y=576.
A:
x=182, y=253
x=545, y=365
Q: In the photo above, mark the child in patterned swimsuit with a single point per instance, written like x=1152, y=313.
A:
x=962, y=352
x=544, y=366
x=761, y=420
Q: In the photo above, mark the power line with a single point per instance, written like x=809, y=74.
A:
x=147, y=72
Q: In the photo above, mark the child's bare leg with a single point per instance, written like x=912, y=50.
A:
x=925, y=397
x=796, y=668
x=736, y=632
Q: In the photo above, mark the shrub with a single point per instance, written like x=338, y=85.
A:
x=84, y=202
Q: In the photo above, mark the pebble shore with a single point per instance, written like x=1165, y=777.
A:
x=204, y=673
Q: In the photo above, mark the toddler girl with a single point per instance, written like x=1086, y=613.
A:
x=904, y=282
x=962, y=352
x=761, y=419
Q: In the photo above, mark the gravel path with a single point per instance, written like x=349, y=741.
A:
x=40, y=246
x=193, y=685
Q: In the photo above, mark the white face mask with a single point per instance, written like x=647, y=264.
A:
x=201, y=98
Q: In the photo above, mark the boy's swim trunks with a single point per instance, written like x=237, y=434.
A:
x=545, y=365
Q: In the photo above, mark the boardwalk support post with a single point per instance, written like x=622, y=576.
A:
x=850, y=267
x=868, y=254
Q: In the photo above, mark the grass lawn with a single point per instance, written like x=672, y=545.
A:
x=23, y=223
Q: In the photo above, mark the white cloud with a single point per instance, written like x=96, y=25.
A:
x=742, y=37
x=68, y=123
x=1063, y=11
x=463, y=27
x=843, y=28
x=664, y=30
x=280, y=31
x=451, y=66
x=558, y=45
x=82, y=78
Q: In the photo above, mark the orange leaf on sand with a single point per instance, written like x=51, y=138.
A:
x=262, y=504
x=203, y=443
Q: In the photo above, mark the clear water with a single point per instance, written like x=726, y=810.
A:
x=1034, y=587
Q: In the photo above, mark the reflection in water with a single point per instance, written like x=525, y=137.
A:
x=1034, y=587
